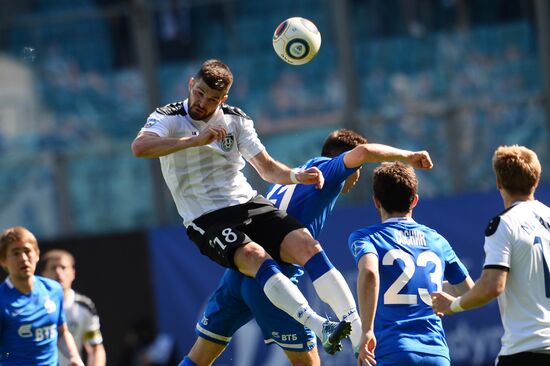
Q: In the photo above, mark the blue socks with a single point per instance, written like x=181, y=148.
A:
x=268, y=269
x=187, y=362
x=318, y=265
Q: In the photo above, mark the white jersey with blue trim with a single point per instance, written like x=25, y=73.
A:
x=413, y=261
x=206, y=178
x=518, y=240
x=29, y=322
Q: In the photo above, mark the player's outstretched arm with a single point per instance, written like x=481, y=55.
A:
x=67, y=345
x=491, y=284
x=150, y=145
x=460, y=288
x=274, y=171
x=376, y=153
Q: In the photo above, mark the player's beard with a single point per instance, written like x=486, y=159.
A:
x=198, y=115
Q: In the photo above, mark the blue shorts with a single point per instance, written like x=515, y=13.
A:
x=236, y=301
x=412, y=358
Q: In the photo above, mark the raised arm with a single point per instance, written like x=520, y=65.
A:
x=67, y=345
x=150, y=145
x=376, y=153
x=274, y=171
x=368, y=284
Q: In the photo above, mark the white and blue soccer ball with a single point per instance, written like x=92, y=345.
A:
x=297, y=40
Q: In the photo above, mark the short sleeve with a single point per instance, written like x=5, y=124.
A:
x=455, y=270
x=335, y=171
x=247, y=139
x=360, y=244
x=160, y=124
x=498, y=246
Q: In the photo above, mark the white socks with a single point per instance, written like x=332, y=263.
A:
x=286, y=296
x=333, y=289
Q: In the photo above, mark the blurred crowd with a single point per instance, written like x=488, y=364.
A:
x=452, y=76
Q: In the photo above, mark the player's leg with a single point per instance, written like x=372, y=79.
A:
x=203, y=353
x=224, y=313
x=300, y=247
x=224, y=236
x=297, y=341
x=309, y=358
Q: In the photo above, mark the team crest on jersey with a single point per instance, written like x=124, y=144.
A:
x=49, y=305
x=150, y=123
x=227, y=143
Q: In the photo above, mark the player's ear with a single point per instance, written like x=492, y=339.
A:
x=499, y=186
x=376, y=202
x=190, y=84
x=224, y=98
x=415, y=201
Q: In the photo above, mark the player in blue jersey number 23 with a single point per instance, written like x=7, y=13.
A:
x=400, y=263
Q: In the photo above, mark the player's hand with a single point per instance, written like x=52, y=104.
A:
x=366, y=349
x=209, y=134
x=311, y=176
x=420, y=160
x=441, y=303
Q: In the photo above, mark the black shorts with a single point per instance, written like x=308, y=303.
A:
x=219, y=233
x=525, y=358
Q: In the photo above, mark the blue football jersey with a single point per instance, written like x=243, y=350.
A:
x=309, y=205
x=413, y=261
x=28, y=323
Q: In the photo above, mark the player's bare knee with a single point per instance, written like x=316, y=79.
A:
x=249, y=257
x=299, y=246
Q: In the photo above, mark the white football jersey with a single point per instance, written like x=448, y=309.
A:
x=206, y=178
x=83, y=322
x=519, y=239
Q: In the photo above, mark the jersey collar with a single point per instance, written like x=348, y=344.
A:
x=399, y=219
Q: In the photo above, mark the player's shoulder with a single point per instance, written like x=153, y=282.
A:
x=49, y=284
x=316, y=161
x=85, y=302
x=366, y=232
x=495, y=222
x=234, y=111
x=172, y=109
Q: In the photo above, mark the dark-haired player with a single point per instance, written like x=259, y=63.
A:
x=202, y=144
x=400, y=263
x=239, y=299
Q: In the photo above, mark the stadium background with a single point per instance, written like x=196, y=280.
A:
x=79, y=77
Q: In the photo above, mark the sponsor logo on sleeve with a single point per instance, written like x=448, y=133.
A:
x=150, y=123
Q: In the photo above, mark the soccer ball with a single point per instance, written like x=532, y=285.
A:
x=296, y=40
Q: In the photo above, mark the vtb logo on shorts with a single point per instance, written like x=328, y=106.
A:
x=227, y=143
